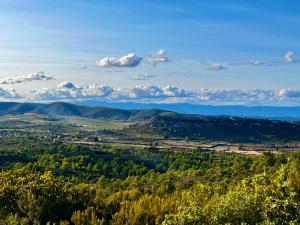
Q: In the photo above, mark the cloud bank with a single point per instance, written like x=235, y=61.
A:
x=130, y=60
x=30, y=77
x=167, y=94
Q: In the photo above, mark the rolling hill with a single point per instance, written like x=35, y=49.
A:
x=221, y=128
x=67, y=109
x=170, y=124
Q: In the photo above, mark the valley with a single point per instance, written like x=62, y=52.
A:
x=69, y=166
x=149, y=128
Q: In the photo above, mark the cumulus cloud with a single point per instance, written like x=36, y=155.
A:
x=8, y=94
x=145, y=92
x=30, y=77
x=215, y=67
x=145, y=76
x=159, y=57
x=68, y=90
x=130, y=60
x=289, y=57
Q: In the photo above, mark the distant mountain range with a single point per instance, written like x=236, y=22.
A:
x=270, y=112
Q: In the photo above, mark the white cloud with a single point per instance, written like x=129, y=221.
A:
x=215, y=67
x=8, y=94
x=289, y=57
x=159, y=57
x=130, y=60
x=145, y=92
x=26, y=78
x=145, y=76
x=68, y=90
x=219, y=96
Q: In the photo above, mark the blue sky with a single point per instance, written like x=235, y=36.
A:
x=208, y=45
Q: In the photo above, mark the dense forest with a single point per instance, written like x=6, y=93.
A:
x=220, y=128
x=56, y=183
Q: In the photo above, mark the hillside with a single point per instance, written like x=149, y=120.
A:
x=274, y=112
x=67, y=109
x=221, y=128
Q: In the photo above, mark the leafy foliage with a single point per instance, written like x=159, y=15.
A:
x=102, y=184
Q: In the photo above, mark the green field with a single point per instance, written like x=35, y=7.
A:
x=32, y=119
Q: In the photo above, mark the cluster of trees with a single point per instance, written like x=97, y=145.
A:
x=97, y=185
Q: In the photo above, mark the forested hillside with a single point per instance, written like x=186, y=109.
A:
x=223, y=128
x=67, y=109
x=50, y=183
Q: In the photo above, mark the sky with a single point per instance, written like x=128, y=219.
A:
x=223, y=52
